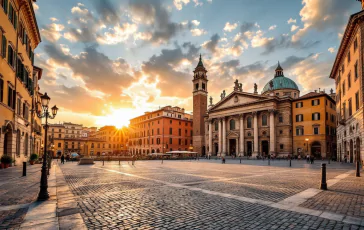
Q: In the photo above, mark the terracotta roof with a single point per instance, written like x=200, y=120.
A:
x=315, y=94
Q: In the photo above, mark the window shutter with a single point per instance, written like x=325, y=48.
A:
x=303, y=131
x=313, y=116
x=296, y=105
x=5, y=6
x=312, y=102
x=15, y=20
x=14, y=98
x=318, y=116
x=318, y=101
x=296, y=118
x=4, y=43
x=10, y=15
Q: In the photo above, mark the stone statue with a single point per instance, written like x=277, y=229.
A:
x=240, y=87
x=223, y=94
x=236, y=85
x=210, y=101
x=255, y=88
x=331, y=91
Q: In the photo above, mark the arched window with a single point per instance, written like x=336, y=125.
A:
x=216, y=126
x=232, y=124
x=249, y=123
x=264, y=120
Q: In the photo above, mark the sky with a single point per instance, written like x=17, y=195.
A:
x=107, y=61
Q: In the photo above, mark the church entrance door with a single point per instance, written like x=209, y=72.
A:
x=265, y=148
x=249, y=147
x=232, y=147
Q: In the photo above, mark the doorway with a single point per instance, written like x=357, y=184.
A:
x=265, y=148
x=216, y=148
x=316, y=150
x=232, y=147
x=351, y=151
x=8, y=139
x=249, y=148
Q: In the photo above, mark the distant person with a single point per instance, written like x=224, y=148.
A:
x=62, y=159
x=133, y=159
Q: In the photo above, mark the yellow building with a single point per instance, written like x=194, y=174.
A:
x=19, y=36
x=348, y=74
x=115, y=140
x=314, y=124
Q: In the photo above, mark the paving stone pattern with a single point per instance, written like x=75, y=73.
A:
x=147, y=195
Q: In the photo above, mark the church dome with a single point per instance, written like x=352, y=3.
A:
x=280, y=82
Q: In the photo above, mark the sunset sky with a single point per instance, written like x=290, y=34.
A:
x=105, y=62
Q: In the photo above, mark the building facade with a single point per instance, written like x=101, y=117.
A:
x=314, y=125
x=348, y=74
x=19, y=36
x=167, y=129
x=252, y=124
x=115, y=140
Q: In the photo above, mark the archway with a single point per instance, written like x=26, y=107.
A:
x=316, y=149
x=153, y=151
x=351, y=157
x=8, y=139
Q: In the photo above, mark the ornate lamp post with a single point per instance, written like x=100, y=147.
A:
x=42, y=112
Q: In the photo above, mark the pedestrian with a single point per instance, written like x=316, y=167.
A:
x=62, y=159
x=133, y=159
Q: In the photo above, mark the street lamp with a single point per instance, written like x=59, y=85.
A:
x=42, y=112
x=307, y=144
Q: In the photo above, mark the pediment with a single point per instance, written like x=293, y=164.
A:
x=237, y=98
x=232, y=134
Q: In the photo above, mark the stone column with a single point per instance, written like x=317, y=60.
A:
x=210, y=137
x=241, y=143
x=223, y=136
x=256, y=142
x=220, y=137
x=272, y=133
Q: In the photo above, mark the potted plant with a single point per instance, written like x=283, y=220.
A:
x=33, y=158
x=6, y=160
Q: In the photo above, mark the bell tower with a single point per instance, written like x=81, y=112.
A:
x=199, y=107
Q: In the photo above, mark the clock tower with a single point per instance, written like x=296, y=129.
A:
x=199, y=107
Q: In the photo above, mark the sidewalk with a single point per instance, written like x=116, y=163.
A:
x=19, y=208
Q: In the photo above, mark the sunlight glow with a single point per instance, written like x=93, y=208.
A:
x=118, y=117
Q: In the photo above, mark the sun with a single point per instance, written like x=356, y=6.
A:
x=117, y=117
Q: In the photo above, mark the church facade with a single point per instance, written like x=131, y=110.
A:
x=244, y=123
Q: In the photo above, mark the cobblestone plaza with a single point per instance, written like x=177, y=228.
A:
x=191, y=194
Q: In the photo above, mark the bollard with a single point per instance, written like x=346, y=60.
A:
x=240, y=160
x=162, y=160
x=103, y=162
x=290, y=163
x=357, y=169
x=24, y=168
x=268, y=161
x=323, y=185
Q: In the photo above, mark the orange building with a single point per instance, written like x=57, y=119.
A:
x=348, y=74
x=19, y=36
x=160, y=131
x=314, y=124
x=115, y=140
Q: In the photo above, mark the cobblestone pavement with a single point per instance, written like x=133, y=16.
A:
x=15, y=193
x=208, y=195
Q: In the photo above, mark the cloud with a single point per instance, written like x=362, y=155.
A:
x=294, y=27
x=272, y=27
x=212, y=44
x=230, y=27
x=291, y=20
x=120, y=33
x=108, y=12
x=322, y=15
x=259, y=39
x=195, y=22
x=332, y=50
x=94, y=68
x=156, y=18
x=172, y=70
x=198, y=32
x=52, y=32
x=35, y=6
x=179, y=3
x=53, y=19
